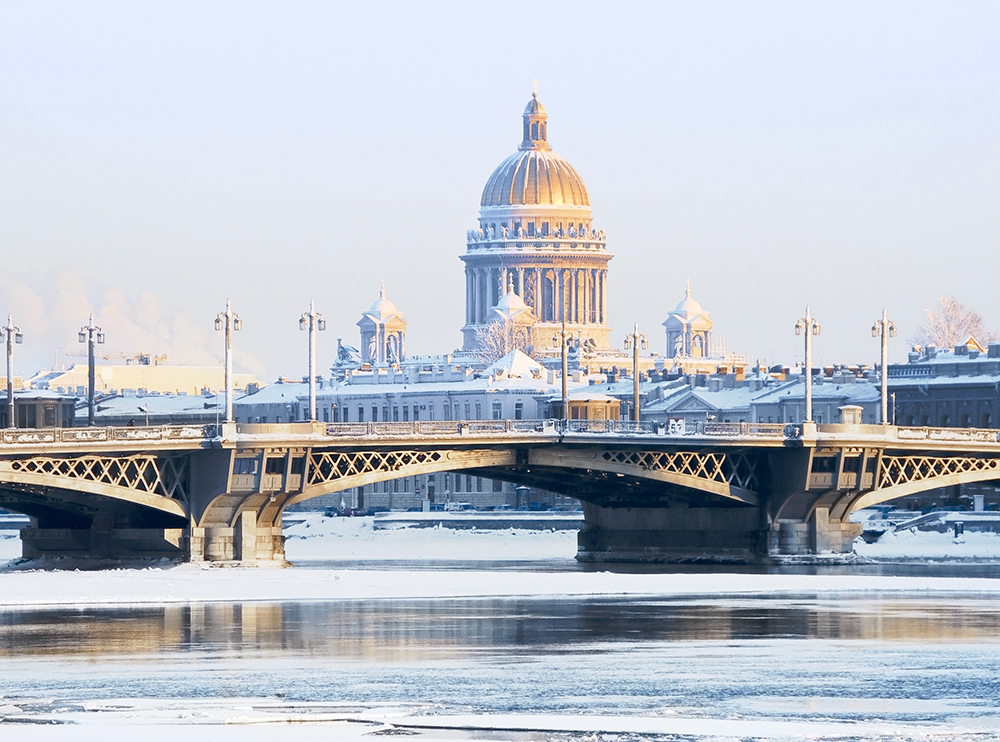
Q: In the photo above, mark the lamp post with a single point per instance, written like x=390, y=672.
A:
x=90, y=334
x=886, y=329
x=13, y=335
x=632, y=341
x=229, y=322
x=312, y=321
x=560, y=339
x=810, y=327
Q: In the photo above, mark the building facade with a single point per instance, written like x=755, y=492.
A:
x=947, y=388
x=535, y=234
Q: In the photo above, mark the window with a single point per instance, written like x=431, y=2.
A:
x=479, y=410
x=395, y=485
x=374, y=414
x=406, y=413
x=468, y=483
x=430, y=411
x=531, y=229
x=468, y=411
x=458, y=483
x=361, y=414
x=395, y=414
x=274, y=465
x=326, y=414
x=385, y=414
x=497, y=485
x=545, y=229
x=416, y=413
x=518, y=410
x=479, y=484
x=245, y=465
x=347, y=415
x=497, y=410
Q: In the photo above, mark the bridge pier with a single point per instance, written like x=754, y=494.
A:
x=672, y=534
x=816, y=535
x=735, y=535
x=245, y=544
x=103, y=541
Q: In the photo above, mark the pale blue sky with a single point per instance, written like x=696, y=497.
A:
x=156, y=158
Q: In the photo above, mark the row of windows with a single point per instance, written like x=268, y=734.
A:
x=460, y=482
x=397, y=413
x=405, y=413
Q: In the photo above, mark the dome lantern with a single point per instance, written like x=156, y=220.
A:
x=535, y=134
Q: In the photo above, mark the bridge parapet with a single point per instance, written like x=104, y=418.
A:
x=144, y=434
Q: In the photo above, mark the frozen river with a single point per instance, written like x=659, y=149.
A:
x=356, y=646
x=826, y=666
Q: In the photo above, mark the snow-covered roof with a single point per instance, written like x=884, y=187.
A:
x=516, y=365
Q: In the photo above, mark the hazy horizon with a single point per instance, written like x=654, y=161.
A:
x=159, y=158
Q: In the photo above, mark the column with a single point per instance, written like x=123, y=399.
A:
x=604, y=296
x=468, y=297
x=538, y=293
x=480, y=314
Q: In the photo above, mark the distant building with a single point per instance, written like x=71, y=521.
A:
x=535, y=234
x=39, y=409
x=383, y=333
x=689, y=330
x=762, y=399
x=515, y=387
x=948, y=388
x=134, y=379
x=160, y=409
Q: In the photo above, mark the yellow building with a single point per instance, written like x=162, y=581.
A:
x=119, y=379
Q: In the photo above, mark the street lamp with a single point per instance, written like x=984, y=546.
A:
x=810, y=327
x=229, y=321
x=90, y=333
x=560, y=340
x=312, y=321
x=13, y=335
x=632, y=341
x=886, y=329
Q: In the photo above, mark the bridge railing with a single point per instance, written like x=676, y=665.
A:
x=446, y=428
x=142, y=434
x=436, y=428
x=971, y=435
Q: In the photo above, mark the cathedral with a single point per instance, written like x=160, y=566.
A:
x=535, y=239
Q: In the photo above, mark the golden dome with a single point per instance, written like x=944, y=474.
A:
x=535, y=174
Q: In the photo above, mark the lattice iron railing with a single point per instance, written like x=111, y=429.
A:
x=896, y=471
x=734, y=469
x=326, y=467
x=148, y=473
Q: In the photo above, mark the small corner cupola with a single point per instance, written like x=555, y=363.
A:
x=535, y=134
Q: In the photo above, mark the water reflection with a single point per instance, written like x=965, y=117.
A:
x=416, y=630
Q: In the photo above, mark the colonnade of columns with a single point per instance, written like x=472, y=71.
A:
x=582, y=291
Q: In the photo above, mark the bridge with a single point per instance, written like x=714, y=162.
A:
x=728, y=492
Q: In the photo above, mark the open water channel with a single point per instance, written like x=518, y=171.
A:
x=845, y=667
